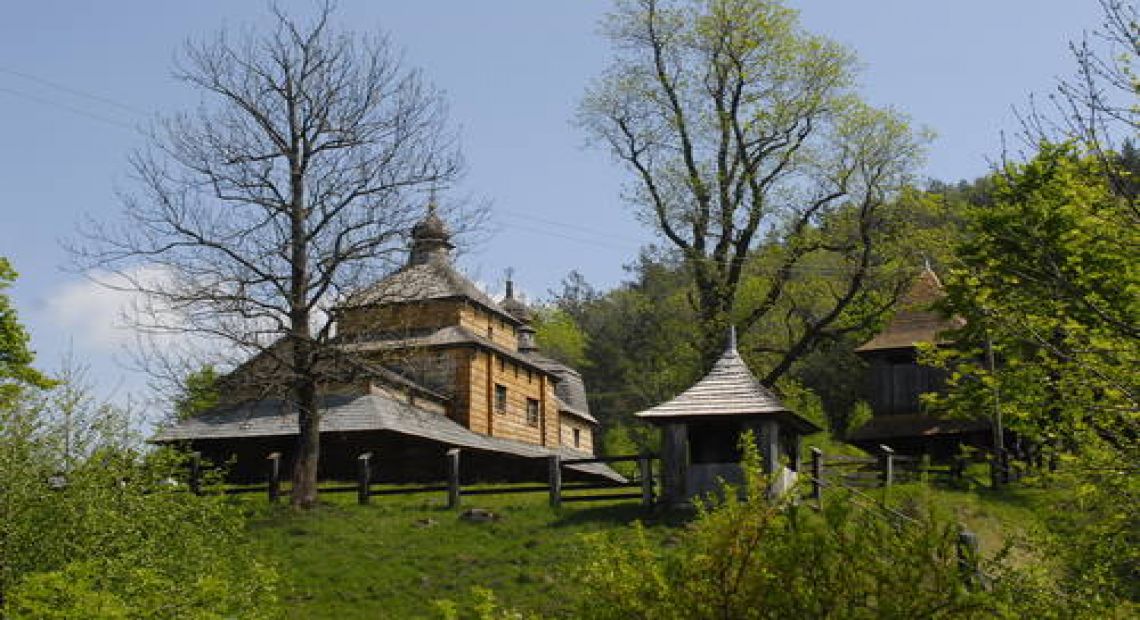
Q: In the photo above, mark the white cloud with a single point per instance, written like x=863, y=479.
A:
x=94, y=313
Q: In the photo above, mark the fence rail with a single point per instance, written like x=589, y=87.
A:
x=365, y=485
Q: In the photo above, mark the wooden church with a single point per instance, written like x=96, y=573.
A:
x=898, y=381
x=437, y=364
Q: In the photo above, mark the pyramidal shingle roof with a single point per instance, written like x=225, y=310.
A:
x=730, y=389
x=915, y=321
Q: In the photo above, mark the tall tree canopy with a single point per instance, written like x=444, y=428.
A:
x=293, y=183
x=1049, y=275
x=740, y=131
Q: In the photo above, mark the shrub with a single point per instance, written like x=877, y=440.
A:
x=749, y=557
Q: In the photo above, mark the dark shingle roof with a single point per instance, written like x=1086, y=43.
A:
x=357, y=413
x=730, y=389
x=434, y=279
x=915, y=321
x=451, y=335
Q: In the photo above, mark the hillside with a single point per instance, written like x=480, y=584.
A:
x=395, y=557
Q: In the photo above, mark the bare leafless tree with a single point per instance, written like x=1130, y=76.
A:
x=1097, y=105
x=294, y=182
x=743, y=132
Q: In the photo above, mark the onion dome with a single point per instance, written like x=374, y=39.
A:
x=431, y=240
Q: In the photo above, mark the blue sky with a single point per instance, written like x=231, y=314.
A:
x=75, y=77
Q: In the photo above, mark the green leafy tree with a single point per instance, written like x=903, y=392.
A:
x=111, y=532
x=742, y=131
x=1049, y=276
x=199, y=393
x=560, y=337
x=91, y=527
x=16, y=358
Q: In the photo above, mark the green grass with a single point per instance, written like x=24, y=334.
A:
x=396, y=556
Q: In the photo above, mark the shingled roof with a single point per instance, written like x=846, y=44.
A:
x=436, y=279
x=729, y=389
x=915, y=321
x=372, y=412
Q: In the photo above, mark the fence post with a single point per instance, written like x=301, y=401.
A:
x=646, y=467
x=555, y=481
x=364, y=477
x=453, y=478
x=995, y=477
x=196, y=473
x=968, y=557
x=924, y=468
x=888, y=463
x=274, y=476
x=958, y=469
x=817, y=476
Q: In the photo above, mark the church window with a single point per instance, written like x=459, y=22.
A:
x=500, y=398
x=532, y=412
x=577, y=438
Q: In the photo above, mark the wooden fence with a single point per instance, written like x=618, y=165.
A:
x=559, y=492
x=853, y=473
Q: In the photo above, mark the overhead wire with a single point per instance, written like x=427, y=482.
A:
x=588, y=235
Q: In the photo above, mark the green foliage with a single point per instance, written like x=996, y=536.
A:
x=1051, y=277
x=199, y=393
x=560, y=337
x=752, y=557
x=860, y=415
x=15, y=358
x=640, y=347
x=754, y=158
x=482, y=606
x=91, y=527
x=803, y=401
x=1049, y=274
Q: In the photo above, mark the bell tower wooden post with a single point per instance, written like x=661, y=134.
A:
x=675, y=463
x=770, y=445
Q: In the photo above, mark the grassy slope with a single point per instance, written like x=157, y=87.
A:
x=393, y=558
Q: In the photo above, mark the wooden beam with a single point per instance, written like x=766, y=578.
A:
x=555, y=481
x=453, y=491
x=675, y=462
x=274, y=477
x=363, y=477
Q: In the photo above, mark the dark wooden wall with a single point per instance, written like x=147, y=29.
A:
x=897, y=380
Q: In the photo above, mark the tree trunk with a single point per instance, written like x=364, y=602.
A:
x=308, y=451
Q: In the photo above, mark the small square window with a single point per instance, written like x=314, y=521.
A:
x=532, y=412
x=500, y=398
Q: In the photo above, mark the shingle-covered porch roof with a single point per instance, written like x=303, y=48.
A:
x=729, y=389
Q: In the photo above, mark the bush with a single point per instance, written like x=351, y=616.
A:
x=104, y=530
x=748, y=557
